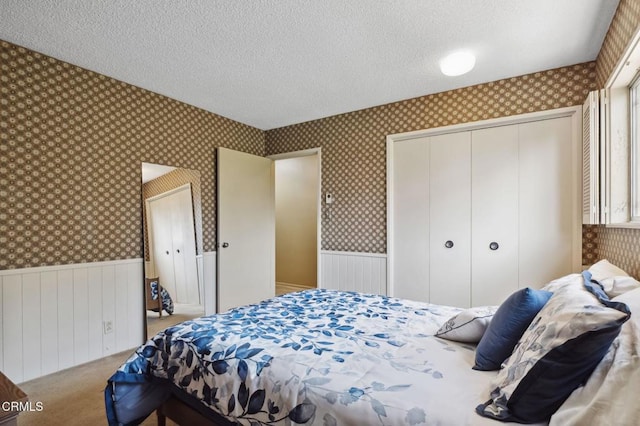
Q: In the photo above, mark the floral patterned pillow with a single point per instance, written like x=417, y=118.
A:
x=557, y=352
x=467, y=326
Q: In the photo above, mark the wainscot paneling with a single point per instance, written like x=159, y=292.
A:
x=54, y=317
x=207, y=270
x=352, y=271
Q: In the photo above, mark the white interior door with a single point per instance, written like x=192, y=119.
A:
x=547, y=210
x=494, y=220
x=159, y=212
x=450, y=219
x=410, y=218
x=184, y=247
x=246, y=229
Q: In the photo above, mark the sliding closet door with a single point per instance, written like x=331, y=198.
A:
x=450, y=219
x=547, y=201
x=173, y=244
x=159, y=215
x=184, y=248
x=477, y=214
x=410, y=212
x=494, y=222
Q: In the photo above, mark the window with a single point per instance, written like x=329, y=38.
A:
x=634, y=101
x=619, y=177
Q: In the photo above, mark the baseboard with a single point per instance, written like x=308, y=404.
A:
x=300, y=286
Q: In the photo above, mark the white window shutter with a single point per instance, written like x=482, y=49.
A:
x=591, y=160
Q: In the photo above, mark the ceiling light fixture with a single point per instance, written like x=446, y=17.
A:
x=457, y=63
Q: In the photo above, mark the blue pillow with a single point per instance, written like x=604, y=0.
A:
x=556, y=354
x=507, y=326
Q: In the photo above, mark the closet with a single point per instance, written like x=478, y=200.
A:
x=479, y=211
x=172, y=243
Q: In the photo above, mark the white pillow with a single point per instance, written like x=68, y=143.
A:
x=614, y=280
x=556, y=354
x=615, y=286
x=558, y=283
x=604, y=398
x=467, y=326
x=603, y=269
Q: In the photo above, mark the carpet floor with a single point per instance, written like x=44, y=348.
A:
x=76, y=396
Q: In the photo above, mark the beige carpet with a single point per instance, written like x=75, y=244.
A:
x=76, y=396
x=181, y=313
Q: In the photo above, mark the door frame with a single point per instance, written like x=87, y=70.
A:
x=308, y=153
x=575, y=112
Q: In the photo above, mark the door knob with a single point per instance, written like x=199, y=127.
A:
x=167, y=251
x=448, y=244
x=494, y=246
x=178, y=250
x=225, y=245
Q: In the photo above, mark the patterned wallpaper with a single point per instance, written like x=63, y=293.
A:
x=167, y=182
x=72, y=142
x=623, y=26
x=619, y=245
x=71, y=146
x=354, y=144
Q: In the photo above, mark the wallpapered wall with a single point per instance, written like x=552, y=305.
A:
x=623, y=26
x=354, y=144
x=167, y=182
x=620, y=246
x=72, y=144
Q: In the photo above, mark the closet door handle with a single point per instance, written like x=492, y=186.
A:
x=167, y=251
x=225, y=245
x=448, y=244
x=494, y=246
x=178, y=250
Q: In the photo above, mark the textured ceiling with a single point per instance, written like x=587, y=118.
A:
x=271, y=63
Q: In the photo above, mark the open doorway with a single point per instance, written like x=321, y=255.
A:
x=297, y=206
x=172, y=229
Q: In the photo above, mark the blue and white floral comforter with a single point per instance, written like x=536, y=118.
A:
x=167, y=302
x=313, y=357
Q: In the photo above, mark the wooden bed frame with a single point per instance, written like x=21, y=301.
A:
x=181, y=413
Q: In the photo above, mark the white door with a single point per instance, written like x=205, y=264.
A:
x=450, y=219
x=159, y=211
x=494, y=218
x=173, y=244
x=246, y=229
x=410, y=213
x=184, y=248
x=547, y=209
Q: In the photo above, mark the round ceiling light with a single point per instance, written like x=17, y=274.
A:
x=457, y=63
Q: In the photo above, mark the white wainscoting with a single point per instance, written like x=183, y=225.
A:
x=352, y=271
x=53, y=317
x=207, y=270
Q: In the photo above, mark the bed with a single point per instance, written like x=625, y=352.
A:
x=157, y=302
x=334, y=358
